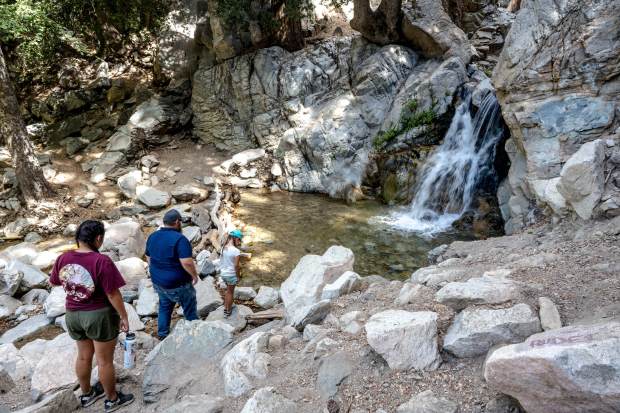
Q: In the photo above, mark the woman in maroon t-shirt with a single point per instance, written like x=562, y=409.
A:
x=95, y=312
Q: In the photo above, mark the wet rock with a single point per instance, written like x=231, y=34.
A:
x=151, y=197
x=345, y=284
x=352, y=322
x=202, y=403
x=182, y=356
x=267, y=297
x=148, y=302
x=55, y=303
x=128, y=183
x=267, y=400
x=549, y=315
x=475, y=330
x=188, y=193
x=245, y=293
x=124, y=239
x=333, y=371
x=405, y=339
x=411, y=293
x=246, y=361
x=428, y=402
x=8, y=305
x=487, y=289
x=237, y=319
x=55, y=373
x=62, y=401
x=303, y=288
x=571, y=369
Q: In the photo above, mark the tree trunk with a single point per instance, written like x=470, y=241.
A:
x=30, y=179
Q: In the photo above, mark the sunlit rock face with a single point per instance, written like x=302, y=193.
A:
x=558, y=86
x=316, y=110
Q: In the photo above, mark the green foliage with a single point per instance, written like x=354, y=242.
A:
x=410, y=118
x=36, y=32
x=238, y=13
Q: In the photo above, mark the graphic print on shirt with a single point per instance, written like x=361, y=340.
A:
x=77, y=282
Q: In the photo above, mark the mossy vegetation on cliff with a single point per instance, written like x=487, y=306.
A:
x=410, y=118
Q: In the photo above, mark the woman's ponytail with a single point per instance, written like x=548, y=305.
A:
x=88, y=231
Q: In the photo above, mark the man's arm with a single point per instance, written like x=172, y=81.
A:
x=189, y=266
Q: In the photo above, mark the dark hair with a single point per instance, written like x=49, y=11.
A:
x=88, y=231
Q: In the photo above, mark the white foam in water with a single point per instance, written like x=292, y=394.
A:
x=451, y=174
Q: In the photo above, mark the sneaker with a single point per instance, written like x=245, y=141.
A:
x=121, y=401
x=96, y=392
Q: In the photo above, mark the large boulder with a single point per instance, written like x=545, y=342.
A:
x=148, y=301
x=267, y=400
x=61, y=401
x=572, y=369
x=582, y=179
x=487, y=289
x=475, y=330
x=302, y=290
x=58, y=372
x=406, y=340
x=208, y=297
x=133, y=270
x=333, y=371
x=267, y=297
x=128, y=183
x=246, y=361
x=183, y=356
x=151, y=197
x=554, y=102
x=345, y=284
x=237, y=318
x=124, y=239
x=8, y=305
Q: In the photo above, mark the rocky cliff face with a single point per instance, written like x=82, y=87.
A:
x=557, y=81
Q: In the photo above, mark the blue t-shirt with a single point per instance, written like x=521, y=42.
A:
x=164, y=248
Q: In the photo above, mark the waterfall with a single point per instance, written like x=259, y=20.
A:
x=455, y=170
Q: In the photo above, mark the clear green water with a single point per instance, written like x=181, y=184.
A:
x=282, y=227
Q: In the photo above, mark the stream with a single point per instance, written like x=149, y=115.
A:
x=282, y=227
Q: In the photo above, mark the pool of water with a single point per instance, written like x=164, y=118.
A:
x=282, y=227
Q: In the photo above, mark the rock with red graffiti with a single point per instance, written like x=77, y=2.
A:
x=571, y=369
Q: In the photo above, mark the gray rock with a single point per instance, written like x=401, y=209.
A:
x=487, y=289
x=202, y=403
x=565, y=370
x=6, y=382
x=582, y=178
x=149, y=161
x=411, y=293
x=405, y=339
x=333, y=371
x=33, y=237
x=61, y=322
x=475, y=330
x=124, y=239
x=151, y=197
x=314, y=313
x=193, y=234
x=267, y=297
x=312, y=330
x=133, y=270
x=325, y=346
x=33, y=276
x=237, y=319
x=55, y=303
x=267, y=400
x=128, y=183
x=245, y=293
x=345, y=284
x=245, y=362
x=62, y=401
x=428, y=402
x=182, y=356
x=10, y=280
x=148, y=302
x=187, y=193
x=352, y=322
x=207, y=297
x=8, y=305
x=135, y=324
x=303, y=288
x=549, y=315
x=54, y=373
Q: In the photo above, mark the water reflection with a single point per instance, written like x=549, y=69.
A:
x=282, y=227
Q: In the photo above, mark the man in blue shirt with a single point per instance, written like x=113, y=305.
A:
x=173, y=271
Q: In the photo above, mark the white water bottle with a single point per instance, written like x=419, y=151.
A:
x=129, y=359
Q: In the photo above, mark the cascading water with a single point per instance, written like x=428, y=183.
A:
x=454, y=171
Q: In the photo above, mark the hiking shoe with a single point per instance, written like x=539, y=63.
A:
x=96, y=392
x=121, y=401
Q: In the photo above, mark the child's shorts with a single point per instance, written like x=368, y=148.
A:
x=232, y=280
